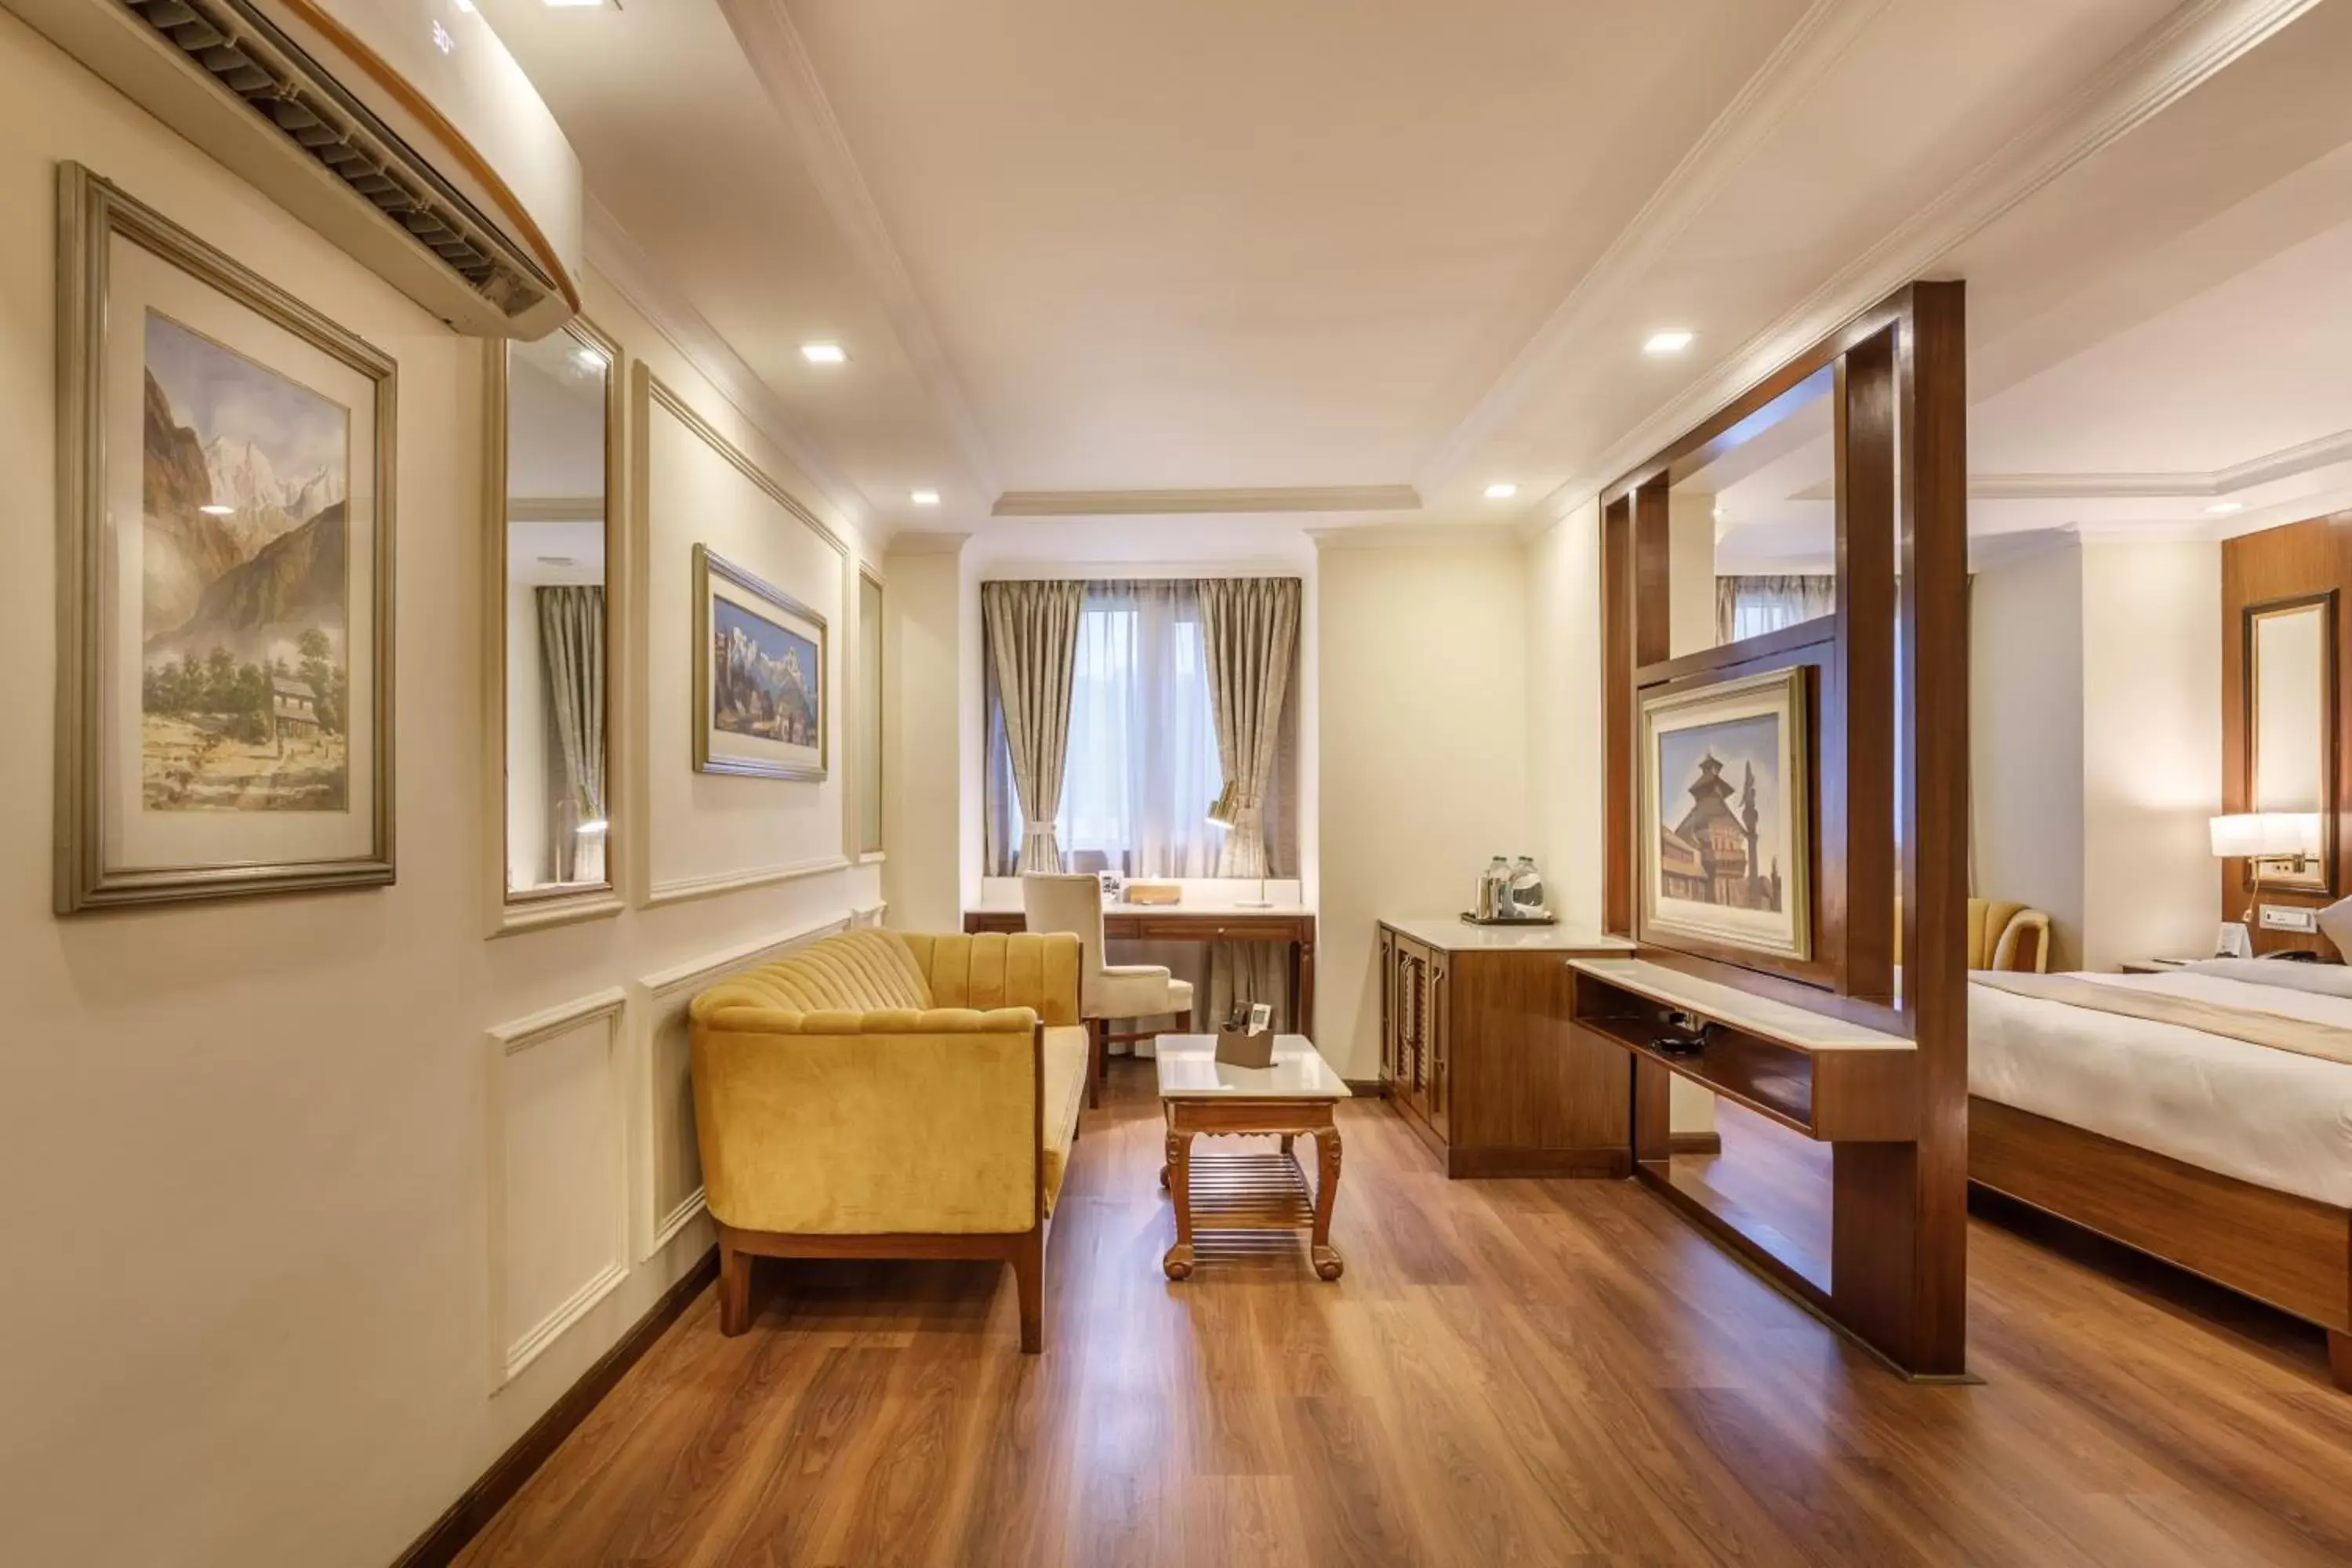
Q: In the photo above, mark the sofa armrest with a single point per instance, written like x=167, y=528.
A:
x=869, y=1123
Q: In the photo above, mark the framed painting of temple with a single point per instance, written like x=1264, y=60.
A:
x=1726, y=851
x=225, y=531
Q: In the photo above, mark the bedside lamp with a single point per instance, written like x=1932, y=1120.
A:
x=2257, y=837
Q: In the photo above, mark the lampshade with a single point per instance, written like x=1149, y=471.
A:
x=2262, y=835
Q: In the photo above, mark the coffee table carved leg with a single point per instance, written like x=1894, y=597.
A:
x=1178, y=1264
x=1329, y=1265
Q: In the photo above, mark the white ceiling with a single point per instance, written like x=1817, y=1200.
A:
x=1303, y=252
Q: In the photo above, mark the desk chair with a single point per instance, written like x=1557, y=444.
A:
x=1053, y=901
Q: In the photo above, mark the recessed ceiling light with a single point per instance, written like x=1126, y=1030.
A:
x=1667, y=343
x=824, y=354
x=925, y=497
x=571, y=5
x=1501, y=490
x=2224, y=508
x=218, y=510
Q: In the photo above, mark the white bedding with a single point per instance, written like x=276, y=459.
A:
x=2271, y=1117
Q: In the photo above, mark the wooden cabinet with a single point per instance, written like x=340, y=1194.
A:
x=1479, y=1054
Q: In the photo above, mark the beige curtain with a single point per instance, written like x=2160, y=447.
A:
x=572, y=647
x=1249, y=635
x=1033, y=635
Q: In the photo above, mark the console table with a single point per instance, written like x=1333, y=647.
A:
x=1290, y=924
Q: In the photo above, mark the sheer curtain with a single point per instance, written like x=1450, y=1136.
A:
x=1750, y=606
x=1142, y=769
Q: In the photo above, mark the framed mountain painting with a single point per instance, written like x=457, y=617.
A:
x=225, y=520
x=759, y=680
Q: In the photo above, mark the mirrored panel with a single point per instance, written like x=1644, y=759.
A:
x=2290, y=661
x=869, y=714
x=559, y=423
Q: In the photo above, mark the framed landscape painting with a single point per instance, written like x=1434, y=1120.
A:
x=760, y=681
x=1727, y=816
x=226, y=526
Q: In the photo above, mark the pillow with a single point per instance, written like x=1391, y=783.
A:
x=2336, y=926
x=2287, y=973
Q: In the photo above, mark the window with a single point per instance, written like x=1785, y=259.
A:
x=1142, y=769
x=1750, y=606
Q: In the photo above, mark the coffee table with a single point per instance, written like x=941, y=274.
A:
x=1236, y=1191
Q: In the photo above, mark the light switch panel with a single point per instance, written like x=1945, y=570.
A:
x=2289, y=916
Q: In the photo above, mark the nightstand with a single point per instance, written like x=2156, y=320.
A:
x=2154, y=965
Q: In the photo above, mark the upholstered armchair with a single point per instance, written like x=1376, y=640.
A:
x=1057, y=901
x=2005, y=935
x=884, y=1095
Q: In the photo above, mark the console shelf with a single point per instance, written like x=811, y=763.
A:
x=1825, y=1076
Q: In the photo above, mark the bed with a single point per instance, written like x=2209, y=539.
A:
x=2132, y=1106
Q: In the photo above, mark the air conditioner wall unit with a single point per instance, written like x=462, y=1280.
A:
x=402, y=130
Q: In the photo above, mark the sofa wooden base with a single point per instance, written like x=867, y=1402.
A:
x=1025, y=1250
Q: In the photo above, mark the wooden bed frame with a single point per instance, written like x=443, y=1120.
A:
x=2293, y=1253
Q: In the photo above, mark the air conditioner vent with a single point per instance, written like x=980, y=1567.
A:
x=252, y=59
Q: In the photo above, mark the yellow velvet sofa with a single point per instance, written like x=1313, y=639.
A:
x=878, y=1094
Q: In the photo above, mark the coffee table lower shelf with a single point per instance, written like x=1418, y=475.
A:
x=1235, y=1190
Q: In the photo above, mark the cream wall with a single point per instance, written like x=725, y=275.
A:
x=2096, y=738
x=2151, y=749
x=922, y=826
x=1560, y=617
x=2025, y=736
x=1424, y=730
x=296, y=1175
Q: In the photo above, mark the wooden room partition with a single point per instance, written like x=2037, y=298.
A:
x=1854, y=1030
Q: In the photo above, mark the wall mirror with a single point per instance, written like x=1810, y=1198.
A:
x=869, y=714
x=556, y=408
x=2290, y=701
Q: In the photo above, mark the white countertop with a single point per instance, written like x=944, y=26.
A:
x=1189, y=1070
x=1452, y=933
x=1203, y=908
x=1794, y=1025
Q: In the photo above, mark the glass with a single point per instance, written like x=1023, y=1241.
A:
x=869, y=714
x=558, y=424
x=2289, y=773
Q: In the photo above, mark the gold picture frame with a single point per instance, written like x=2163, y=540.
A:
x=768, y=628
x=162, y=796
x=1727, y=861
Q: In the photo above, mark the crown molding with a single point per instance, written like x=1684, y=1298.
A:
x=2290, y=462
x=1161, y=503
x=1818, y=40
x=781, y=61
x=929, y=543
x=2190, y=46
x=1419, y=536
x=616, y=257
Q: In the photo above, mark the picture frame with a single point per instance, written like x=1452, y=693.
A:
x=225, y=528
x=759, y=710
x=1726, y=820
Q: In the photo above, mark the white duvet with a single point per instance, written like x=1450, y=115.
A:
x=2270, y=1117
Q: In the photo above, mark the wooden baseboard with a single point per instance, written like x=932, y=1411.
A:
x=451, y=1533
x=1366, y=1088
x=1695, y=1143
x=1475, y=1163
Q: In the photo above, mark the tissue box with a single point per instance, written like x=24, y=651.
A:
x=1246, y=1048
x=1154, y=893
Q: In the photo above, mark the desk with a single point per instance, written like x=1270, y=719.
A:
x=1289, y=923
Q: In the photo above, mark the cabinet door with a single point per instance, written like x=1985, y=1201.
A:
x=1412, y=1069
x=1435, y=1034
x=1388, y=1008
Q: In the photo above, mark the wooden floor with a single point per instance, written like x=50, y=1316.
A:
x=1510, y=1373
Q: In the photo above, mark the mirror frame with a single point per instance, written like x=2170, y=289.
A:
x=2279, y=873
x=533, y=909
